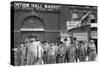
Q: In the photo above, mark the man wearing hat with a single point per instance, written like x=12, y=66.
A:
x=91, y=51
x=32, y=51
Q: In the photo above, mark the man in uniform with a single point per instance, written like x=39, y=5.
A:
x=61, y=53
x=72, y=53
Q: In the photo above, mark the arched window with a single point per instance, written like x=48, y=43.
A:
x=32, y=22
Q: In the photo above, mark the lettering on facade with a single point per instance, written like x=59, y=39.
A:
x=39, y=7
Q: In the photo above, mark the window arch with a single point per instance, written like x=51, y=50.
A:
x=32, y=22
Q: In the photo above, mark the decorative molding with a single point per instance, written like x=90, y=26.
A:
x=52, y=31
x=32, y=29
x=37, y=29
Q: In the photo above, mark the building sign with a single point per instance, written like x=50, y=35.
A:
x=36, y=6
x=94, y=24
x=72, y=24
x=94, y=34
x=81, y=36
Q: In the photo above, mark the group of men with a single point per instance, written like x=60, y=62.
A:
x=36, y=52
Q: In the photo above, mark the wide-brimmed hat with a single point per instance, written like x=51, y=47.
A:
x=32, y=36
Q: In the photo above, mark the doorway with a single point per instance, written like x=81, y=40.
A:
x=40, y=35
x=33, y=25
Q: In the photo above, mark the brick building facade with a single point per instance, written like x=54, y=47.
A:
x=43, y=19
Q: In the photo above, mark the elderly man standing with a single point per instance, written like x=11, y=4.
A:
x=32, y=52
